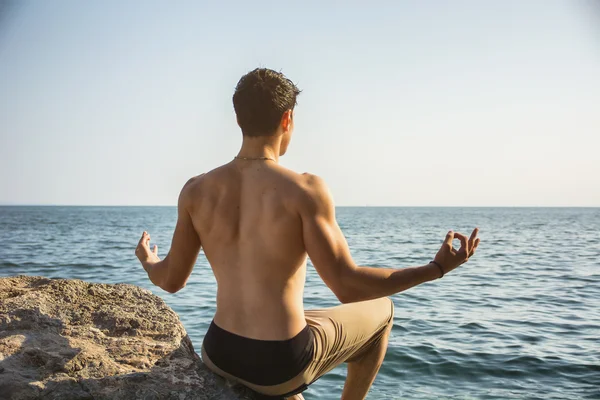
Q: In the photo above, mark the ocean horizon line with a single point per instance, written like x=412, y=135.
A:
x=337, y=206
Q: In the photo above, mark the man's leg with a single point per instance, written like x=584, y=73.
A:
x=362, y=372
x=355, y=333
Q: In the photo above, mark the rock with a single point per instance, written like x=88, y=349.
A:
x=70, y=339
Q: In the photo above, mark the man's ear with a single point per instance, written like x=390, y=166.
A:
x=286, y=120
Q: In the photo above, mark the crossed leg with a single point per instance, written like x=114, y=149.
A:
x=355, y=333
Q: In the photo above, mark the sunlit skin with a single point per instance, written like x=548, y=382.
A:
x=257, y=222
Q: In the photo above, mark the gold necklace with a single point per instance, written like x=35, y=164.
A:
x=253, y=158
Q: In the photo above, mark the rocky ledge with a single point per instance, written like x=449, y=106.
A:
x=70, y=339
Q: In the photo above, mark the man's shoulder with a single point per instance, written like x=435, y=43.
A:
x=315, y=191
x=195, y=183
x=191, y=190
x=312, y=183
x=306, y=182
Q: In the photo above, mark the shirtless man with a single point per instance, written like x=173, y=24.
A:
x=257, y=222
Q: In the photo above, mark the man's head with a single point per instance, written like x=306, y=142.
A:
x=264, y=102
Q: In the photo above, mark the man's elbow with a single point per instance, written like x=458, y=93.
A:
x=172, y=288
x=343, y=298
x=348, y=297
x=346, y=289
x=344, y=295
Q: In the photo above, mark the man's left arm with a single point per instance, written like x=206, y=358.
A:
x=172, y=273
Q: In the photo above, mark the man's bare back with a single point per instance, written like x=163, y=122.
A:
x=248, y=214
x=257, y=222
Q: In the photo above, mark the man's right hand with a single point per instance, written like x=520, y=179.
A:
x=450, y=258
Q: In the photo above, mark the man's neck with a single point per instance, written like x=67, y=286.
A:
x=261, y=147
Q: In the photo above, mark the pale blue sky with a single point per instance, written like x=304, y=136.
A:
x=407, y=103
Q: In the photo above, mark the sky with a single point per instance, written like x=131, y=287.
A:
x=404, y=103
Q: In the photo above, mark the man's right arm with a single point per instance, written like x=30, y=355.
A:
x=328, y=250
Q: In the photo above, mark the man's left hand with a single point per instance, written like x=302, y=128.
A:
x=146, y=256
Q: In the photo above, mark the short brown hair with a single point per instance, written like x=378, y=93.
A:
x=260, y=99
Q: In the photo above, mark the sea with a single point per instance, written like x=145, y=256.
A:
x=520, y=320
